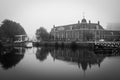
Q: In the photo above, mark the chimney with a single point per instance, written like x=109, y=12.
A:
x=53, y=26
x=78, y=22
x=98, y=22
x=89, y=21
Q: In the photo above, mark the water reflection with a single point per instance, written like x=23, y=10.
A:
x=42, y=53
x=82, y=57
x=63, y=63
x=10, y=57
x=108, y=52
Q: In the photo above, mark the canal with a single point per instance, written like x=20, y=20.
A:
x=45, y=63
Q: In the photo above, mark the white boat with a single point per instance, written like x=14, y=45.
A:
x=29, y=45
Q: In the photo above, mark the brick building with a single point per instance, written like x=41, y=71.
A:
x=83, y=31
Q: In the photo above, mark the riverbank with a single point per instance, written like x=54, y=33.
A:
x=103, y=45
x=64, y=44
x=20, y=44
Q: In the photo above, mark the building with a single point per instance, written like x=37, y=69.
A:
x=21, y=38
x=83, y=31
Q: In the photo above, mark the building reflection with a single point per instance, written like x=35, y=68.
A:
x=10, y=57
x=108, y=52
x=83, y=57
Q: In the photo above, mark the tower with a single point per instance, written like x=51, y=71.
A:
x=83, y=20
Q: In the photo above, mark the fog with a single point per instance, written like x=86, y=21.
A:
x=32, y=14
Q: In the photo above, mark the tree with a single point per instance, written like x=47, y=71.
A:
x=10, y=28
x=42, y=34
x=2, y=34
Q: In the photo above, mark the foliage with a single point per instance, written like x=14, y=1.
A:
x=42, y=34
x=42, y=53
x=10, y=28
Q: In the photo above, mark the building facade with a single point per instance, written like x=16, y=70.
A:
x=83, y=31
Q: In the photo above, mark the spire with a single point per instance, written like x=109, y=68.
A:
x=83, y=15
x=84, y=20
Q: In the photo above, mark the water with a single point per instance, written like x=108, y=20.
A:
x=59, y=64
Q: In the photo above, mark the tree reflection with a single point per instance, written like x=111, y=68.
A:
x=9, y=57
x=42, y=53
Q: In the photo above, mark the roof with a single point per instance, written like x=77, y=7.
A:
x=78, y=26
x=84, y=20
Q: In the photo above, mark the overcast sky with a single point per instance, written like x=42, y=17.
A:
x=32, y=14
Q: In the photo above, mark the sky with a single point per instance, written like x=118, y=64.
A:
x=32, y=14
